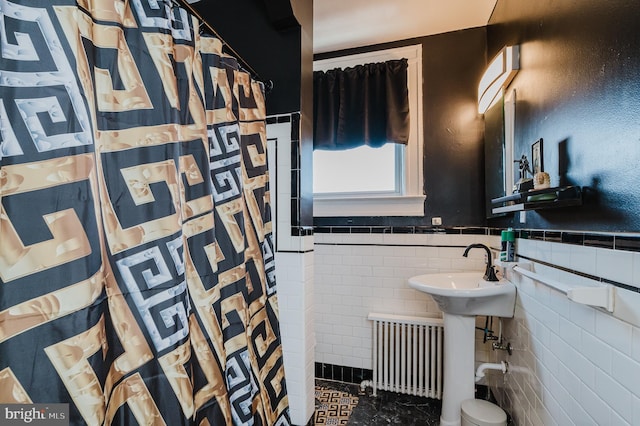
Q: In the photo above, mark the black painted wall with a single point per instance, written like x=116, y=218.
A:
x=453, y=131
x=267, y=38
x=579, y=90
x=275, y=38
x=453, y=145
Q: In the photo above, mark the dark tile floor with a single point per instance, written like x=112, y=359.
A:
x=388, y=408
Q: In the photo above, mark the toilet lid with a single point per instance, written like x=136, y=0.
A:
x=482, y=411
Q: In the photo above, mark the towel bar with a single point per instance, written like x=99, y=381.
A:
x=602, y=296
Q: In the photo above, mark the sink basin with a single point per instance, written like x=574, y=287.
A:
x=466, y=293
x=461, y=296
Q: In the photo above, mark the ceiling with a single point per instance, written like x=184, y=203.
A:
x=343, y=24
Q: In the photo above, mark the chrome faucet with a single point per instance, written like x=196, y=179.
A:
x=490, y=273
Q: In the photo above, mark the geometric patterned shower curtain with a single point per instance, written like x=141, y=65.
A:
x=137, y=278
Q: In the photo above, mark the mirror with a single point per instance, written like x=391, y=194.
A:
x=499, y=122
x=494, y=155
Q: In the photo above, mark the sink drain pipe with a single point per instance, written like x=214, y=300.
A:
x=503, y=366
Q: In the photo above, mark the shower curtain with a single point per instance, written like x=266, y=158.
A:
x=137, y=278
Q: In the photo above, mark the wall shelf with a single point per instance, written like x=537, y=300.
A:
x=537, y=199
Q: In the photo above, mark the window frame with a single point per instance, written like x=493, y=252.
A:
x=410, y=200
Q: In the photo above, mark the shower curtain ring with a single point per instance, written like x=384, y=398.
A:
x=268, y=86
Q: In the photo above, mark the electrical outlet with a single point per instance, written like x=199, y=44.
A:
x=436, y=221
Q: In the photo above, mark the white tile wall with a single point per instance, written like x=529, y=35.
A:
x=294, y=278
x=356, y=274
x=295, y=301
x=572, y=364
x=279, y=141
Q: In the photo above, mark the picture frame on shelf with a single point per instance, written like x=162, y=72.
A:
x=536, y=157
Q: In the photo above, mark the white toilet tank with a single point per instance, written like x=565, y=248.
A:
x=478, y=412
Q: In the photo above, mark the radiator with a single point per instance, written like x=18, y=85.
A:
x=407, y=355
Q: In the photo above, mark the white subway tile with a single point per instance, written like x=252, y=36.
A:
x=440, y=264
x=559, y=303
x=626, y=371
x=525, y=247
x=381, y=271
x=583, y=259
x=597, y=351
x=636, y=270
x=334, y=359
x=617, y=420
x=368, y=251
x=636, y=410
x=341, y=270
x=560, y=254
x=427, y=252
x=322, y=350
x=546, y=316
x=584, y=316
x=456, y=253
x=543, y=252
x=529, y=395
x=341, y=329
x=616, y=265
x=538, y=417
x=383, y=294
x=581, y=367
x=635, y=346
x=571, y=334
x=435, y=239
x=404, y=293
x=595, y=406
x=547, y=370
x=361, y=238
x=392, y=282
x=614, y=394
x=616, y=333
x=557, y=396
x=626, y=306
x=353, y=260
x=393, y=261
x=344, y=350
x=364, y=353
x=404, y=252
x=577, y=414
x=342, y=290
x=351, y=302
x=320, y=238
x=392, y=239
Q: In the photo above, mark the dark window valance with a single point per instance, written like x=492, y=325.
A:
x=363, y=105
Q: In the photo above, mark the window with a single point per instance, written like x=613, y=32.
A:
x=364, y=181
x=379, y=177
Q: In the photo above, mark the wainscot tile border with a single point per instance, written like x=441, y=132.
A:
x=301, y=231
x=606, y=240
x=356, y=376
x=613, y=241
x=342, y=374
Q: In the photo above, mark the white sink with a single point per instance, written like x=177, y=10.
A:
x=461, y=296
x=467, y=293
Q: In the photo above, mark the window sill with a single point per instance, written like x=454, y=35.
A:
x=409, y=205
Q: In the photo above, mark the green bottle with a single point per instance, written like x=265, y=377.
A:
x=508, y=252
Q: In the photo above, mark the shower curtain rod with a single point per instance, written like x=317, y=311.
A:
x=268, y=85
